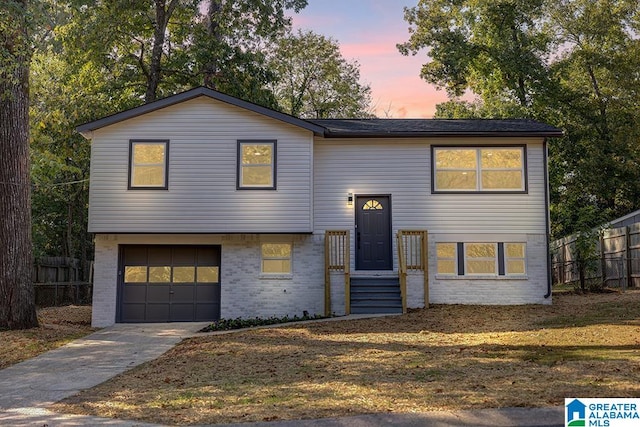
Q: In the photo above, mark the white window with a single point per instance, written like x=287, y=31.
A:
x=477, y=169
x=515, y=258
x=148, y=164
x=276, y=258
x=257, y=165
x=447, y=261
x=480, y=258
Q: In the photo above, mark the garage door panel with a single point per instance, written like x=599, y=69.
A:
x=159, y=255
x=157, y=312
x=186, y=256
x=182, y=312
x=205, y=312
x=133, y=312
x=166, y=289
x=159, y=293
x=207, y=293
x=183, y=293
x=135, y=255
x=208, y=256
x=134, y=293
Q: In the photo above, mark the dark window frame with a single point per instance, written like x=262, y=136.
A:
x=274, y=163
x=130, y=185
x=525, y=168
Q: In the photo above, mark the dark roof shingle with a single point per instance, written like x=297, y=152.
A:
x=346, y=128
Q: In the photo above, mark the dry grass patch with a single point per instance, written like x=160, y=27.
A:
x=446, y=357
x=58, y=326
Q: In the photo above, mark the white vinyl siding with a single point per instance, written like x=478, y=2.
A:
x=202, y=196
x=401, y=168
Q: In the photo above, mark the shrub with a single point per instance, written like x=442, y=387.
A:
x=240, y=323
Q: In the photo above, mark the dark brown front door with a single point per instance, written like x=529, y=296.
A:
x=162, y=283
x=373, y=233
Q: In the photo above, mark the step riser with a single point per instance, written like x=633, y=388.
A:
x=385, y=282
x=377, y=295
x=377, y=310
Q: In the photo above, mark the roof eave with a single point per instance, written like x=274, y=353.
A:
x=545, y=134
x=86, y=128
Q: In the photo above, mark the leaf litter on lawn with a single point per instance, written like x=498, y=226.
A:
x=58, y=326
x=446, y=357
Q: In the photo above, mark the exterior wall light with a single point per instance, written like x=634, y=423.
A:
x=349, y=199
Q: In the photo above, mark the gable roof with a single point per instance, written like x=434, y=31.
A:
x=194, y=93
x=349, y=128
x=377, y=128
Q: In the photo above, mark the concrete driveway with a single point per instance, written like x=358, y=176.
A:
x=27, y=388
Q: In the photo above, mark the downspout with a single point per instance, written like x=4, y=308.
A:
x=547, y=219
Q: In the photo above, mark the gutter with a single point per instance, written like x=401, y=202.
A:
x=433, y=134
x=547, y=219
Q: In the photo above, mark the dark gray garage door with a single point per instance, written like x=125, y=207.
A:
x=162, y=283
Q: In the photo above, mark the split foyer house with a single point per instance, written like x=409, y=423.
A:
x=206, y=206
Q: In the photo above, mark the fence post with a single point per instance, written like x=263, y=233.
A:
x=627, y=254
x=603, y=263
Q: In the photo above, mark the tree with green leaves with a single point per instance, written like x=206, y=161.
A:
x=157, y=48
x=572, y=63
x=17, y=302
x=230, y=48
x=314, y=80
x=494, y=48
x=596, y=98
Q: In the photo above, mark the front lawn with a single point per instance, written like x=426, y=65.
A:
x=58, y=326
x=443, y=358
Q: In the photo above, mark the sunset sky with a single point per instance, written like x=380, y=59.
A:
x=368, y=31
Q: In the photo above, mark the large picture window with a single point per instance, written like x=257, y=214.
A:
x=479, y=169
x=257, y=165
x=481, y=259
x=148, y=164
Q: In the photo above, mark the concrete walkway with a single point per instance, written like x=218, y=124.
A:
x=28, y=388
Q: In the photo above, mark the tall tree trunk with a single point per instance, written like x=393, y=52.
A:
x=213, y=32
x=17, y=300
x=163, y=14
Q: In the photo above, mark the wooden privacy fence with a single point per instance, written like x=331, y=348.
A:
x=62, y=280
x=616, y=263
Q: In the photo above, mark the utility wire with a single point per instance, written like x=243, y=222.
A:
x=55, y=184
